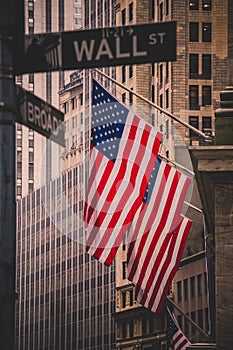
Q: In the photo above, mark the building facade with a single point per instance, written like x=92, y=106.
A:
x=66, y=298
x=190, y=89
x=41, y=17
x=191, y=295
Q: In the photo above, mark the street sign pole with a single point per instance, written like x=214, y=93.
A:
x=7, y=176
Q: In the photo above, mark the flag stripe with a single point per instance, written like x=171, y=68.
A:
x=153, y=298
x=117, y=185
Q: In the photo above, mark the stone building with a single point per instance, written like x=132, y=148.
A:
x=190, y=89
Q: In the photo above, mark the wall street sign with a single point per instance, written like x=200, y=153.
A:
x=136, y=44
x=39, y=116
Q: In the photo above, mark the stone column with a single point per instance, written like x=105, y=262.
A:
x=213, y=168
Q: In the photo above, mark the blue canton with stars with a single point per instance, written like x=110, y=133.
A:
x=151, y=182
x=108, y=121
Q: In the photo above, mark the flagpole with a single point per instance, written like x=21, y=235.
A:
x=188, y=318
x=172, y=116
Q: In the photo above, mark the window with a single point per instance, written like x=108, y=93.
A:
x=123, y=97
x=153, y=93
x=124, y=330
x=200, y=318
x=206, y=66
x=130, y=12
x=193, y=31
x=193, y=97
x=194, y=121
x=167, y=7
x=206, y=32
x=185, y=289
x=161, y=100
x=131, y=328
x=81, y=99
x=78, y=21
x=152, y=9
x=167, y=98
x=78, y=10
x=206, y=5
x=193, y=66
x=73, y=103
x=192, y=286
x=161, y=75
x=194, y=4
x=199, y=285
x=167, y=71
x=130, y=71
x=123, y=294
x=206, y=95
x=131, y=297
x=161, y=12
x=131, y=97
x=124, y=270
x=179, y=291
x=123, y=17
x=123, y=74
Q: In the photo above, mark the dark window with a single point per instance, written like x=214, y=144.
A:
x=152, y=12
x=194, y=121
x=185, y=289
x=153, y=93
x=130, y=12
x=123, y=16
x=206, y=5
x=193, y=4
x=123, y=74
x=161, y=75
x=193, y=97
x=167, y=7
x=131, y=298
x=124, y=270
x=179, y=291
x=192, y=286
x=206, y=66
x=167, y=98
x=124, y=330
x=167, y=71
x=199, y=285
x=161, y=100
x=123, y=299
x=73, y=103
x=131, y=328
x=206, y=124
x=130, y=71
x=161, y=12
x=206, y=95
x=206, y=32
x=124, y=97
x=193, y=66
x=193, y=31
x=81, y=99
x=200, y=318
x=131, y=97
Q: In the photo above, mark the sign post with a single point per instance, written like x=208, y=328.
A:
x=136, y=44
x=39, y=115
x=8, y=14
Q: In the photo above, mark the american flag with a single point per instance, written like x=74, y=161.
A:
x=123, y=152
x=176, y=338
x=157, y=235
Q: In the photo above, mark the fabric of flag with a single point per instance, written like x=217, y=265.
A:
x=176, y=338
x=124, y=149
x=163, y=269
x=157, y=235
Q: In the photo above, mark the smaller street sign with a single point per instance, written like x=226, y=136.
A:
x=40, y=116
x=113, y=46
